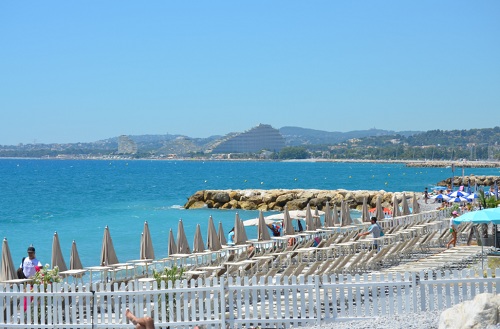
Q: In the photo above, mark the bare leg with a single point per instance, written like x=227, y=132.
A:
x=140, y=323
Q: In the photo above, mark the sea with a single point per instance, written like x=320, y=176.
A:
x=79, y=198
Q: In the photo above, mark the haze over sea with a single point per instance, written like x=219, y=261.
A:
x=78, y=198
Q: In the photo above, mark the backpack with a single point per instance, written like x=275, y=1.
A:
x=381, y=230
x=20, y=273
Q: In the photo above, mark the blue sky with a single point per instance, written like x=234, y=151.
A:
x=80, y=71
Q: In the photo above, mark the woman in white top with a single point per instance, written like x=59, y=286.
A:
x=453, y=230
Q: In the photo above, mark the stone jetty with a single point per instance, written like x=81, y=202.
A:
x=472, y=179
x=295, y=199
x=457, y=164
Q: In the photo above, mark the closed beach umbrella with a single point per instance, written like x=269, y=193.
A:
x=57, y=257
x=8, y=271
x=243, y=232
x=328, y=215
x=262, y=230
x=198, y=244
x=287, y=223
x=108, y=254
x=335, y=215
x=342, y=213
x=348, y=213
x=309, y=219
x=404, y=206
x=379, y=212
x=182, y=242
x=147, y=251
x=365, y=213
x=172, y=247
x=213, y=242
x=415, y=205
x=221, y=235
x=395, y=206
x=74, y=258
x=317, y=219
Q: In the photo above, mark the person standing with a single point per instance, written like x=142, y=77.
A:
x=29, y=264
x=453, y=230
x=230, y=237
x=374, y=229
x=426, y=195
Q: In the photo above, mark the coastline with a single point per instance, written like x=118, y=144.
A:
x=408, y=163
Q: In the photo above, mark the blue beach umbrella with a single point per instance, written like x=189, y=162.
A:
x=472, y=196
x=442, y=197
x=458, y=199
x=485, y=216
x=458, y=194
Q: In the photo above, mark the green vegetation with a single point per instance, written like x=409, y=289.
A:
x=293, y=152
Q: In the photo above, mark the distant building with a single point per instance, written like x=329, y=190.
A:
x=262, y=137
x=126, y=145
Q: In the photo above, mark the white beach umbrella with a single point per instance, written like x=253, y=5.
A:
x=255, y=221
x=309, y=219
x=198, y=244
x=74, y=258
x=404, y=206
x=243, y=232
x=262, y=229
x=379, y=212
x=415, y=205
x=146, y=249
x=221, y=235
x=172, y=246
x=108, y=254
x=57, y=256
x=458, y=194
x=213, y=242
x=365, y=213
x=328, y=215
x=395, y=206
x=458, y=199
x=8, y=271
x=182, y=242
x=335, y=216
x=317, y=219
x=287, y=223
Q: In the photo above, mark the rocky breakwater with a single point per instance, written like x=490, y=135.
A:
x=294, y=199
x=472, y=180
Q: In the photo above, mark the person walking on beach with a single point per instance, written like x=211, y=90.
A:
x=140, y=323
x=374, y=229
x=29, y=265
x=453, y=230
x=426, y=195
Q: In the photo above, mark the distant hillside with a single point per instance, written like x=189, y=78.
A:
x=295, y=136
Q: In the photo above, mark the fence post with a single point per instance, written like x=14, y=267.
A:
x=222, y=297
x=318, y=301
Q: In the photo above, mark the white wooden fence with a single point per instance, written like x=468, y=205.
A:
x=241, y=302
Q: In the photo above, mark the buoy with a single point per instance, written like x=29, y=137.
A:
x=295, y=179
x=245, y=180
x=205, y=180
x=350, y=176
x=261, y=183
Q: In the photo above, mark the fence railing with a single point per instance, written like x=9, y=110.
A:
x=240, y=302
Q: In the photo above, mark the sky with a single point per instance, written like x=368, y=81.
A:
x=82, y=71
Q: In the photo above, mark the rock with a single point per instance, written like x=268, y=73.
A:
x=297, y=204
x=221, y=197
x=208, y=195
x=282, y=200
x=317, y=202
x=234, y=204
x=234, y=195
x=247, y=205
x=263, y=207
x=210, y=203
x=197, y=205
x=306, y=194
x=478, y=313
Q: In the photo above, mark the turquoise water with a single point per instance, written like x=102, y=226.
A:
x=78, y=198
